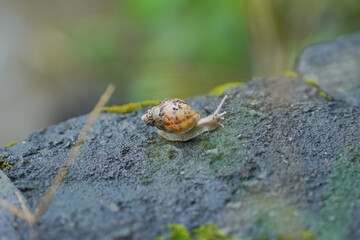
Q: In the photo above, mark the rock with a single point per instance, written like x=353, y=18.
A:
x=9, y=226
x=291, y=176
x=334, y=66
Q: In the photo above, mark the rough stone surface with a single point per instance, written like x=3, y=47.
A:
x=334, y=65
x=8, y=227
x=294, y=172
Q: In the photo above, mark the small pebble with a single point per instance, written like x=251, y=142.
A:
x=234, y=205
x=113, y=207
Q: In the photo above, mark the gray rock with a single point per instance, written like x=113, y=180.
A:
x=334, y=66
x=9, y=225
x=293, y=174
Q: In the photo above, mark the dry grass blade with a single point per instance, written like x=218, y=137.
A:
x=41, y=208
x=24, y=213
x=29, y=216
x=13, y=209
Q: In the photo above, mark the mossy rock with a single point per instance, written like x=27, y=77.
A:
x=293, y=173
x=334, y=67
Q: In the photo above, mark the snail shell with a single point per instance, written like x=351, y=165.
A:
x=177, y=121
x=173, y=116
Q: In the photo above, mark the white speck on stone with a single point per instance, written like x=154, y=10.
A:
x=253, y=112
x=113, y=207
x=234, y=205
x=213, y=151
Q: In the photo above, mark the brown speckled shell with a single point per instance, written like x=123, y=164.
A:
x=174, y=116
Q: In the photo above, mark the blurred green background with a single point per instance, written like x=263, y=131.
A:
x=56, y=57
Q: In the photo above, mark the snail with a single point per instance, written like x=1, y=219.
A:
x=178, y=121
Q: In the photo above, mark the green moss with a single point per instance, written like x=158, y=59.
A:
x=209, y=231
x=204, y=232
x=290, y=74
x=314, y=83
x=179, y=232
x=11, y=144
x=205, y=145
x=130, y=107
x=322, y=93
x=307, y=235
x=310, y=81
x=341, y=197
x=4, y=164
x=147, y=181
x=221, y=88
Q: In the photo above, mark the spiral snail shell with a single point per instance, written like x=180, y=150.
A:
x=178, y=121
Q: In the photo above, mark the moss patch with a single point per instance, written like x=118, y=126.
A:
x=314, y=83
x=147, y=181
x=205, y=145
x=11, y=144
x=179, y=232
x=221, y=88
x=310, y=81
x=204, y=232
x=295, y=75
x=290, y=74
x=307, y=235
x=130, y=107
x=341, y=196
x=4, y=164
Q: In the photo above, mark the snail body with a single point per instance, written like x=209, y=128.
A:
x=178, y=121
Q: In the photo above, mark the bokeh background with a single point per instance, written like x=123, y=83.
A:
x=56, y=57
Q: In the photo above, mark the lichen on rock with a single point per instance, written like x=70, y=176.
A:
x=130, y=107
